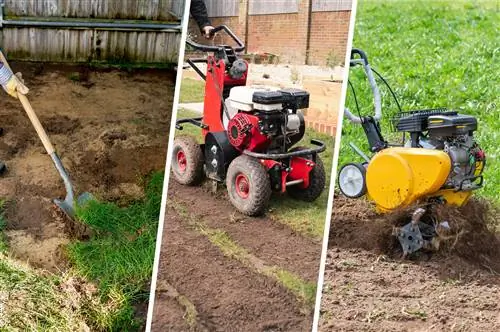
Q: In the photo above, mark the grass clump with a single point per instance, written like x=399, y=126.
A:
x=433, y=54
x=35, y=301
x=3, y=224
x=305, y=291
x=119, y=256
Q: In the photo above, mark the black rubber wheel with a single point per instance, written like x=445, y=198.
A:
x=317, y=181
x=187, y=161
x=352, y=180
x=3, y=168
x=248, y=185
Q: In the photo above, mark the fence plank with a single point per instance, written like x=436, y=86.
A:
x=165, y=10
x=331, y=5
x=263, y=7
x=223, y=8
x=36, y=44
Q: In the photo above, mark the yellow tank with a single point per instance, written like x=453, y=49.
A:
x=397, y=177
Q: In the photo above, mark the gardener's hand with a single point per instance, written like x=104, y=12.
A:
x=12, y=84
x=207, y=32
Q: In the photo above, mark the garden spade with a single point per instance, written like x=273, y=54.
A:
x=68, y=204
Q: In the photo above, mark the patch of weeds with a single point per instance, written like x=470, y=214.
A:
x=119, y=256
x=374, y=315
x=294, y=75
x=75, y=77
x=417, y=313
x=223, y=241
x=333, y=60
x=30, y=301
x=451, y=282
x=347, y=264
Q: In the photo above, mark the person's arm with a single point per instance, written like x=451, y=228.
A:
x=12, y=84
x=200, y=14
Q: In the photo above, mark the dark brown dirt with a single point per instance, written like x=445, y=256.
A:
x=110, y=130
x=368, y=287
x=269, y=240
x=473, y=233
x=227, y=295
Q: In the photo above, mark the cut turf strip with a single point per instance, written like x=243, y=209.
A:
x=303, y=290
x=227, y=295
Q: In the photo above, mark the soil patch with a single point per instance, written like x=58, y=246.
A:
x=368, y=287
x=472, y=233
x=269, y=240
x=110, y=130
x=60, y=125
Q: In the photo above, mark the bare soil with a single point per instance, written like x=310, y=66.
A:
x=369, y=287
x=110, y=129
x=226, y=294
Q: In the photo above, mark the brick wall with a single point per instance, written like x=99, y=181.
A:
x=280, y=34
x=329, y=32
x=286, y=34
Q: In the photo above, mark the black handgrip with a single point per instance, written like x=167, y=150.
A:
x=231, y=34
x=202, y=47
x=359, y=52
x=208, y=48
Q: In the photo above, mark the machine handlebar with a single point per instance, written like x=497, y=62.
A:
x=361, y=53
x=377, y=102
x=209, y=48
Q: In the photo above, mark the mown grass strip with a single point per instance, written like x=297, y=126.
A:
x=304, y=291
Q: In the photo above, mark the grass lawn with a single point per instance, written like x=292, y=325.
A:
x=306, y=218
x=433, y=54
x=119, y=256
x=192, y=91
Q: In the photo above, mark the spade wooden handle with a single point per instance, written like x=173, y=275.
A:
x=32, y=115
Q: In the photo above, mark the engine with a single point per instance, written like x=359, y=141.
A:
x=454, y=134
x=266, y=121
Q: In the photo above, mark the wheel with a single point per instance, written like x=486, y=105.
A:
x=317, y=181
x=187, y=161
x=248, y=185
x=352, y=180
x=3, y=168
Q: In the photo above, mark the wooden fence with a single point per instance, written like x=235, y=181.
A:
x=110, y=31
